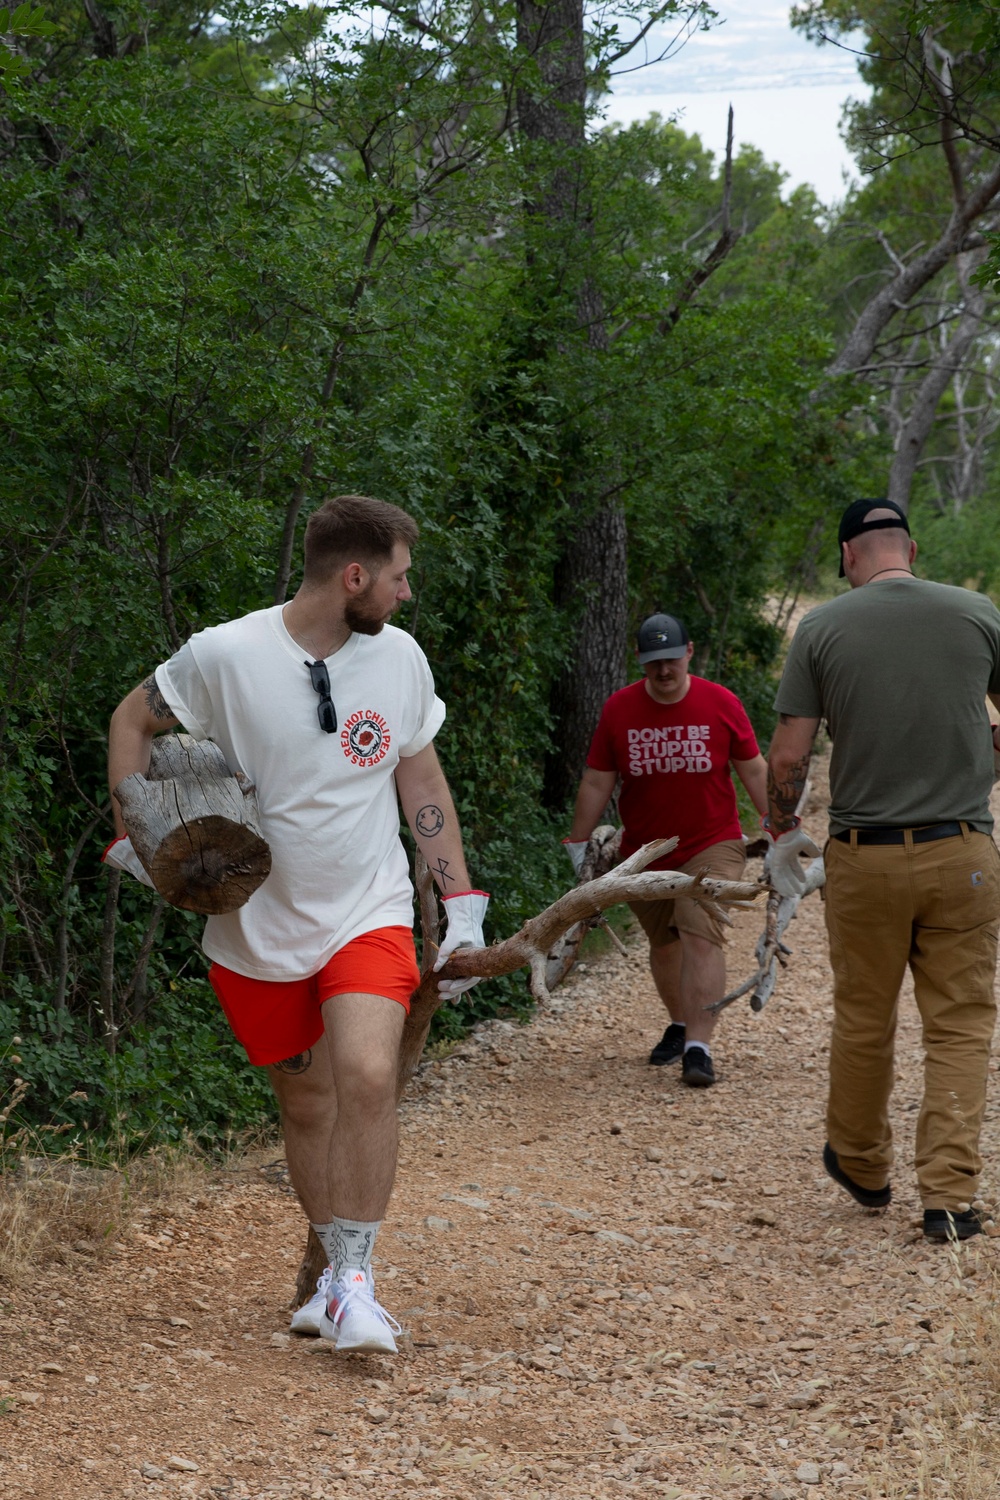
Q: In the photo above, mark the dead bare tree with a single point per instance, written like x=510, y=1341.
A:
x=931, y=94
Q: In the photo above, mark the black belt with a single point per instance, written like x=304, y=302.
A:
x=925, y=835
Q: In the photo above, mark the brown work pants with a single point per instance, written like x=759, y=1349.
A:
x=934, y=906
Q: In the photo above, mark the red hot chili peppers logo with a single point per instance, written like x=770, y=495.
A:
x=365, y=738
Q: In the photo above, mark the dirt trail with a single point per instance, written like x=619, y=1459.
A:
x=610, y=1284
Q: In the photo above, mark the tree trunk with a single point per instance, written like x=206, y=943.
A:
x=917, y=427
x=592, y=587
x=591, y=577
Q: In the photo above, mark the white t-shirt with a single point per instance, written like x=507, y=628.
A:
x=327, y=801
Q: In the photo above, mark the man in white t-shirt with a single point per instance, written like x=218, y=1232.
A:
x=332, y=713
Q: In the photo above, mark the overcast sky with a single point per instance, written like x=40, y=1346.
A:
x=786, y=93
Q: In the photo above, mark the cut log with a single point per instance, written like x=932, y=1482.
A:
x=195, y=826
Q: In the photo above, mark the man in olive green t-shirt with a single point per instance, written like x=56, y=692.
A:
x=900, y=669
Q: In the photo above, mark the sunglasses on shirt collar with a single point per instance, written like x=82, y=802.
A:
x=320, y=679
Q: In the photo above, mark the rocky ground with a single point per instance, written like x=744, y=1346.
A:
x=610, y=1284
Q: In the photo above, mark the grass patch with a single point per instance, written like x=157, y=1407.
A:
x=944, y=1443
x=65, y=1209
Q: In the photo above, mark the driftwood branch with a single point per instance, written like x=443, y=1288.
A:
x=602, y=854
x=770, y=950
x=530, y=947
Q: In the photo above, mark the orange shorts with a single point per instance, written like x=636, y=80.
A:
x=276, y=1019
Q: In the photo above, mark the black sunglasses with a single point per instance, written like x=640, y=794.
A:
x=320, y=679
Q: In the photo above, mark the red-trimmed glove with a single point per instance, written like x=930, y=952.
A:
x=121, y=856
x=577, y=851
x=787, y=874
x=465, y=911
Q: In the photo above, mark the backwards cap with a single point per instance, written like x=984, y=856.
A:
x=855, y=520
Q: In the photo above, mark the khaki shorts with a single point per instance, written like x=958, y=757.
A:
x=664, y=921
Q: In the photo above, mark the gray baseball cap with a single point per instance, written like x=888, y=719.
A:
x=661, y=638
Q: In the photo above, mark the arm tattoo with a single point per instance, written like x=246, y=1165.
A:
x=429, y=821
x=441, y=871
x=783, y=796
x=155, y=701
x=297, y=1064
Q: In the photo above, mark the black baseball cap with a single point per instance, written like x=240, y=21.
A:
x=854, y=521
x=661, y=638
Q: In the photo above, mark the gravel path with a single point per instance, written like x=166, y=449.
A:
x=610, y=1284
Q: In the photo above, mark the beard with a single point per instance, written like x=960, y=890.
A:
x=361, y=618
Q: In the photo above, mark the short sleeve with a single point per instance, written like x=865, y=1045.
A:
x=601, y=755
x=798, y=691
x=428, y=729
x=430, y=710
x=743, y=742
x=994, y=686
x=183, y=686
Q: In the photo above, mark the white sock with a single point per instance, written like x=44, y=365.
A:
x=347, y=1242
x=703, y=1045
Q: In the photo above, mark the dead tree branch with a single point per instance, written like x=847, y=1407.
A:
x=770, y=950
x=630, y=881
x=727, y=239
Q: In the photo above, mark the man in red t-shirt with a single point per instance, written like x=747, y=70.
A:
x=671, y=738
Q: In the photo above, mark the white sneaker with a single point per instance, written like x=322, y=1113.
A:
x=306, y=1319
x=354, y=1320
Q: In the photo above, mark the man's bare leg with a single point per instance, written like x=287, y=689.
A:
x=665, y=967
x=307, y=1098
x=338, y=1110
x=703, y=981
x=688, y=976
x=339, y=1117
x=364, y=1033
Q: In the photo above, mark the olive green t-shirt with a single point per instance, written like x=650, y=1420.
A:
x=900, y=669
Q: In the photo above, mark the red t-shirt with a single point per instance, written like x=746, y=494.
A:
x=673, y=759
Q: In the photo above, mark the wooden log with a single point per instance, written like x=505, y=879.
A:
x=195, y=826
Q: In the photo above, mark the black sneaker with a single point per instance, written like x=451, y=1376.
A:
x=670, y=1046
x=867, y=1197
x=948, y=1224
x=696, y=1068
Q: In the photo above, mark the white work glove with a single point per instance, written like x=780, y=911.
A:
x=465, y=912
x=577, y=852
x=788, y=874
x=121, y=856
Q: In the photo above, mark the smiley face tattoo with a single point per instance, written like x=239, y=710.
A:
x=429, y=821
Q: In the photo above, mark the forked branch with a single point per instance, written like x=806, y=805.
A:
x=629, y=881
x=770, y=950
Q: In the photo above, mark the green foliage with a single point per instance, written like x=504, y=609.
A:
x=254, y=257
x=180, y=1076
x=963, y=549
x=23, y=21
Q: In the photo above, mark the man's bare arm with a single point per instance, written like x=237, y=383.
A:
x=788, y=768
x=593, y=797
x=135, y=723
x=430, y=812
x=753, y=774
